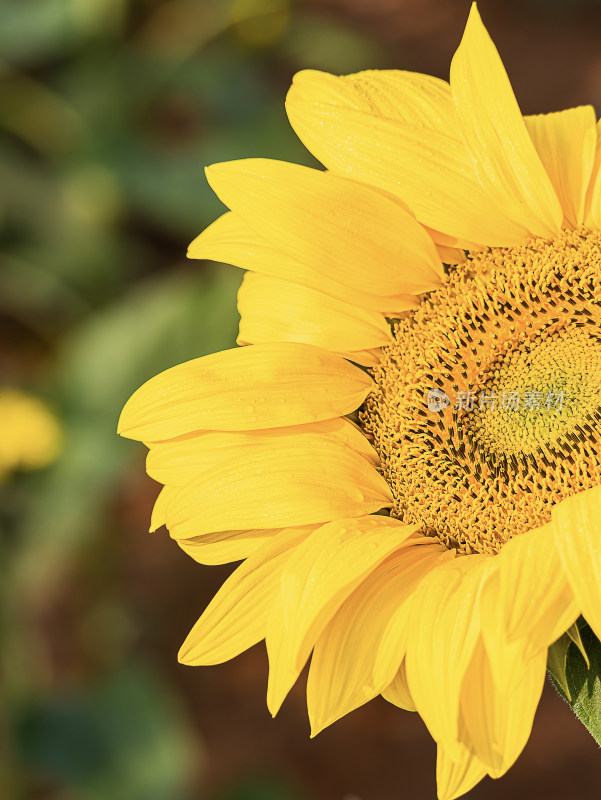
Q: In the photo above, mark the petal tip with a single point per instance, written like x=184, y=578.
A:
x=474, y=15
x=123, y=426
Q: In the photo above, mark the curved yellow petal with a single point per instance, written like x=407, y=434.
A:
x=498, y=724
x=535, y=598
x=247, y=388
x=358, y=237
x=233, y=241
x=341, y=677
x=429, y=169
x=236, y=618
x=566, y=142
x=503, y=154
x=455, y=778
x=443, y=630
x=324, y=571
x=177, y=462
x=397, y=692
x=576, y=524
x=157, y=517
x=277, y=485
x=409, y=97
x=274, y=310
x=227, y=546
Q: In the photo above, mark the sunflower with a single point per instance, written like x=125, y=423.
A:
x=405, y=454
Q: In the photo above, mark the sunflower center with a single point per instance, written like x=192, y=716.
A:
x=543, y=391
x=487, y=405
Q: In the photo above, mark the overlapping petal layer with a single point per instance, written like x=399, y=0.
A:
x=498, y=724
x=397, y=692
x=446, y=605
x=508, y=658
x=535, y=599
x=226, y=546
x=274, y=310
x=566, y=142
x=236, y=618
x=342, y=677
x=405, y=97
x=280, y=484
x=178, y=461
x=232, y=240
x=428, y=169
x=317, y=579
x=456, y=777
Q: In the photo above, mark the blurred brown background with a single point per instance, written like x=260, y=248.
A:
x=109, y=110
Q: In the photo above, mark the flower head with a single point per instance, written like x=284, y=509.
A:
x=406, y=456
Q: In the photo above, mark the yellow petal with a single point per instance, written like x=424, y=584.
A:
x=227, y=546
x=443, y=630
x=324, y=571
x=247, y=388
x=177, y=462
x=428, y=169
x=366, y=358
x=592, y=204
x=394, y=639
x=451, y=255
x=445, y=242
x=274, y=310
x=573, y=633
x=409, y=97
x=278, y=485
x=566, y=143
x=236, y=618
x=508, y=658
x=158, y=518
x=358, y=237
x=504, y=156
x=398, y=692
x=233, y=241
x=535, y=598
x=455, y=778
x=576, y=524
x=497, y=725
x=341, y=676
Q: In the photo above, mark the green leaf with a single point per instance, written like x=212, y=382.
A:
x=576, y=683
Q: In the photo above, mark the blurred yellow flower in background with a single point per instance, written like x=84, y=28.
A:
x=428, y=553
x=30, y=434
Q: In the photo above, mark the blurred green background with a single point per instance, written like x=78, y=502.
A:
x=109, y=111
